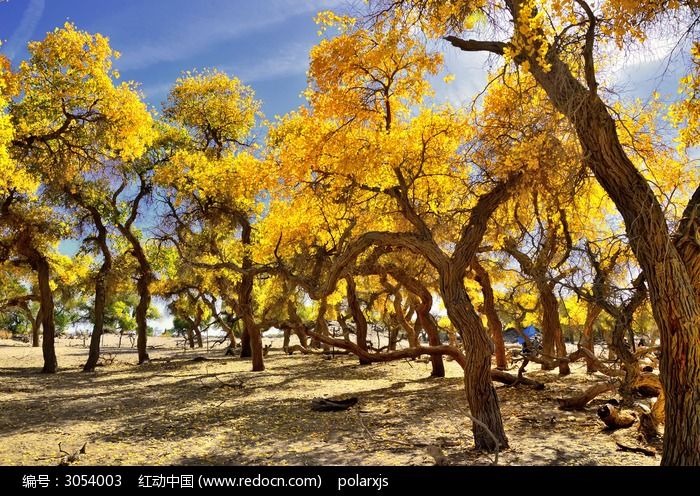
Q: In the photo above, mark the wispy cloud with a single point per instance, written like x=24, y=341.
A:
x=293, y=61
x=188, y=35
x=23, y=33
x=470, y=71
x=290, y=62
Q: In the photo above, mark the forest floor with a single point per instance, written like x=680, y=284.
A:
x=176, y=411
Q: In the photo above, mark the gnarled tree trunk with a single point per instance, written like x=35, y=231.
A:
x=100, y=292
x=592, y=313
x=552, y=336
x=41, y=265
x=671, y=285
x=251, y=331
x=489, y=309
x=481, y=395
x=358, y=316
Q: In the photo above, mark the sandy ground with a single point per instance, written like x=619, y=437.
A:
x=215, y=411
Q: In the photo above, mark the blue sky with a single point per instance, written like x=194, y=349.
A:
x=265, y=43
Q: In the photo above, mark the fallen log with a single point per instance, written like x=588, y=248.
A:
x=649, y=421
x=580, y=401
x=615, y=418
x=511, y=380
x=647, y=385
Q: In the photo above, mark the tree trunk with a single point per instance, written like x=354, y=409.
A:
x=299, y=328
x=196, y=328
x=245, y=302
x=424, y=319
x=592, y=313
x=481, y=395
x=489, y=309
x=143, y=289
x=36, y=324
x=100, y=293
x=246, y=350
x=431, y=329
x=190, y=336
x=552, y=336
x=321, y=325
x=47, y=314
x=358, y=316
x=671, y=288
x=285, y=342
x=403, y=320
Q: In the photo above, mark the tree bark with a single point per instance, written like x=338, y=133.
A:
x=592, y=313
x=489, y=309
x=358, y=316
x=36, y=324
x=552, y=336
x=481, y=395
x=246, y=350
x=100, y=291
x=197, y=331
x=245, y=302
x=424, y=319
x=47, y=313
x=671, y=287
x=143, y=288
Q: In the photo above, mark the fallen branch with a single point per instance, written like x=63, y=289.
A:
x=511, y=380
x=615, y=418
x=635, y=449
x=393, y=355
x=648, y=385
x=69, y=458
x=580, y=401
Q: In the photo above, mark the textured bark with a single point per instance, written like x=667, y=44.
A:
x=100, y=292
x=298, y=324
x=47, y=316
x=671, y=287
x=481, y=395
x=424, y=319
x=551, y=326
x=403, y=321
x=246, y=350
x=36, y=325
x=143, y=285
x=190, y=336
x=580, y=401
x=498, y=375
x=489, y=309
x=393, y=355
x=196, y=327
x=245, y=302
x=143, y=288
x=358, y=316
x=671, y=272
x=593, y=311
x=616, y=418
x=321, y=325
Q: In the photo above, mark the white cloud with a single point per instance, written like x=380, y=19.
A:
x=471, y=76
x=23, y=33
x=290, y=62
x=188, y=35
